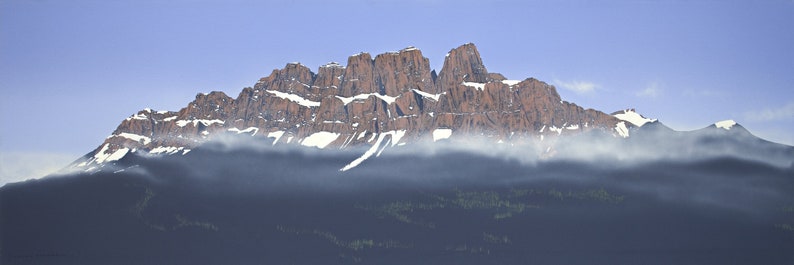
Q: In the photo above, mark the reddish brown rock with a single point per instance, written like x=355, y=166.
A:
x=395, y=91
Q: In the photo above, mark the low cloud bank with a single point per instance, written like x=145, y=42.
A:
x=281, y=198
x=725, y=177
x=21, y=166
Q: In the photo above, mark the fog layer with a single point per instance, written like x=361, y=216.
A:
x=578, y=202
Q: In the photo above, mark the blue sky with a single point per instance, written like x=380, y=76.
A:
x=70, y=71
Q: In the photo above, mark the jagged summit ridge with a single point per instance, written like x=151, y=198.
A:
x=394, y=93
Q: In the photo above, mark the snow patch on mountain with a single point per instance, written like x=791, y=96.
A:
x=116, y=155
x=366, y=155
x=320, y=139
x=726, y=124
x=434, y=97
x=622, y=130
x=395, y=138
x=478, y=86
x=138, y=117
x=103, y=156
x=294, y=98
x=332, y=65
x=275, y=135
x=183, y=123
x=348, y=100
x=166, y=150
x=440, y=134
x=135, y=137
x=633, y=117
x=251, y=130
x=511, y=82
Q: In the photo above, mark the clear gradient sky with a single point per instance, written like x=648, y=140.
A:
x=70, y=71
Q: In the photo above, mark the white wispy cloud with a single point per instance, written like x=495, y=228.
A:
x=580, y=87
x=702, y=93
x=21, y=166
x=785, y=112
x=650, y=91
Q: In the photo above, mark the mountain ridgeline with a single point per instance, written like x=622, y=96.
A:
x=395, y=97
x=492, y=171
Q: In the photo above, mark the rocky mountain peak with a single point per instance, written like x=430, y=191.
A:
x=398, y=72
x=294, y=77
x=358, y=77
x=463, y=64
x=390, y=100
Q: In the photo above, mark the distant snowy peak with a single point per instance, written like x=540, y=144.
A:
x=726, y=124
x=632, y=117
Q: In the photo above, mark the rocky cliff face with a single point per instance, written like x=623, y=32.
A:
x=395, y=95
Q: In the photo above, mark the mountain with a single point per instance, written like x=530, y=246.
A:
x=652, y=139
x=480, y=170
x=394, y=97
